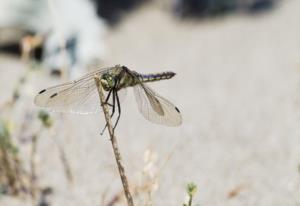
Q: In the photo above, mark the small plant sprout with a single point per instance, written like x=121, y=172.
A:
x=45, y=118
x=191, y=190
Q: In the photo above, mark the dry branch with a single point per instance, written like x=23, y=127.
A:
x=114, y=142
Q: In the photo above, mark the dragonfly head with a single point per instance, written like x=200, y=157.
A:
x=108, y=82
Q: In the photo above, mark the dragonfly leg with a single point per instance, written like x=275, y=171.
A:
x=107, y=98
x=119, y=110
x=113, y=104
x=113, y=110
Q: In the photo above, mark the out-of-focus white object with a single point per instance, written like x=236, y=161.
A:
x=72, y=24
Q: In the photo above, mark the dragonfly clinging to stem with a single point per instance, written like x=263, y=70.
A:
x=81, y=96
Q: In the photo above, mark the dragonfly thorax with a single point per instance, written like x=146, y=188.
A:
x=119, y=78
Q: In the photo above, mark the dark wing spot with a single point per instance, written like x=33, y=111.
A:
x=53, y=95
x=177, y=109
x=42, y=91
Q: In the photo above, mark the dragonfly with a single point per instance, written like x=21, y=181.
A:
x=81, y=96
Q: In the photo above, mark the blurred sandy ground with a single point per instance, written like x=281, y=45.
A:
x=237, y=86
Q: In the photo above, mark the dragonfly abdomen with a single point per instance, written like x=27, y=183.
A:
x=156, y=77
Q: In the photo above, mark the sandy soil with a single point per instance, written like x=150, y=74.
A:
x=237, y=86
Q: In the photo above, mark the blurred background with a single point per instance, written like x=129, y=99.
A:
x=237, y=86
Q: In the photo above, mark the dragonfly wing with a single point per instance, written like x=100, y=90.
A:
x=122, y=93
x=156, y=108
x=79, y=96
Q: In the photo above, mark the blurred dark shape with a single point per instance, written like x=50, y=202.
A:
x=16, y=50
x=56, y=72
x=10, y=48
x=45, y=197
x=10, y=42
x=203, y=8
x=261, y=5
x=200, y=8
x=113, y=10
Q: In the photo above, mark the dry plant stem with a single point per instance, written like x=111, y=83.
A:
x=114, y=142
x=11, y=173
x=33, y=188
x=65, y=163
x=8, y=170
x=190, y=201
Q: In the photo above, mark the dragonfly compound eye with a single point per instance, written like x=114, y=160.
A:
x=107, y=82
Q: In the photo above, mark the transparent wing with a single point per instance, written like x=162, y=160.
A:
x=122, y=93
x=156, y=108
x=79, y=96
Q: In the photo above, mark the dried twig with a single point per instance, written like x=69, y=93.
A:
x=65, y=163
x=33, y=186
x=114, y=142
